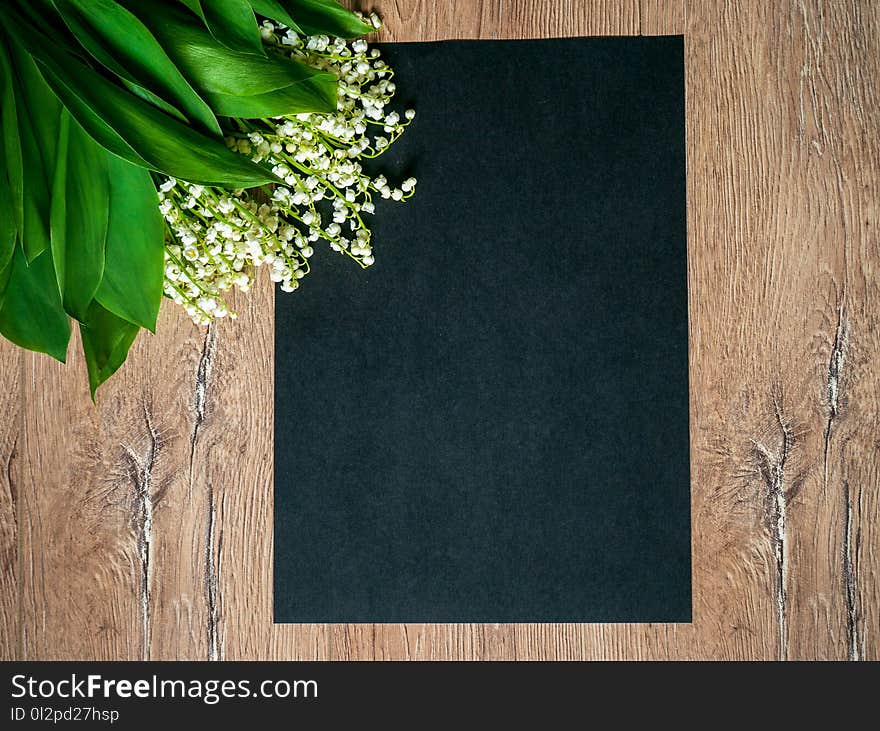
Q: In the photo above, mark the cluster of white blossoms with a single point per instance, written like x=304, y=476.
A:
x=217, y=238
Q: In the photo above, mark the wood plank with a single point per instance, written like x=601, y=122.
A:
x=831, y=92
x=109, y=536
x=78, y=595
x=163, y=420
x=11, y=363
x=661, y=17
x=777, y=178
x=424, y=20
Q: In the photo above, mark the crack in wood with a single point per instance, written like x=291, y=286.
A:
x=203, y=374
x=850, y=573
x=142, y=518
x=832, y=386
x=10, y=483
x=200, y=399
x=200, y=393
x=211, y=586
x=17, y=560
x=773, y=473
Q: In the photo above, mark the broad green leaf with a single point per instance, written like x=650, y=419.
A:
x=11, y=143
x=58, y=210
x=232, y=22
x=145, y=136
x=106, y=340
x=98, y=128
x=275, y=10
x=195, y=6
x=218, y=73
x=211, y=67
x=80, y=203
x=9, y=216
x=123, y=44
x=32, y=315
x=156, y=101
x=327, y=17
x=44, y=15
x=134, y=256
x=318, y=96
x=38, y=111
x=153, y=139
x=8, y=229
x=134, y=129
x=4, y=277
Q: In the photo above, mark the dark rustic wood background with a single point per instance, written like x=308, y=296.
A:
x=142, y=529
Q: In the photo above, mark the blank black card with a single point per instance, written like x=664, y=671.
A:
x=491, y=423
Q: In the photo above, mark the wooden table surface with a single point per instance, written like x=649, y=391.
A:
x=142, y=529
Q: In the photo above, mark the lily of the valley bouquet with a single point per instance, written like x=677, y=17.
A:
x=172, y=147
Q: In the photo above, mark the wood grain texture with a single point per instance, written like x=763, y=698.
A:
x=143, y=528
x=11, y=363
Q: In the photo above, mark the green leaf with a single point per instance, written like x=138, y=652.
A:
x=8, y=229
x=99, y=128
x=106, y=340
x=319, y=96
x=145, y=136
x=4, y=278
x=32, y=315
x=134, y=129
x=327, y=17
x=37, y=112
x=220, y=75
x=58, y=212
x=134, y=256
x=10, y=212
x=195, y=6
x=156, y=101
x=232, y=23
x=228, y=22
x=11, y=143
x=276, y=11
x=124, y=45
x=80, y=203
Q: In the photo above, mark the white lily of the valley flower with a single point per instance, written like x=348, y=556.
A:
x=219, y=237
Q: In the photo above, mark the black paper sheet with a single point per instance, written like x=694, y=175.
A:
x=491, y=423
